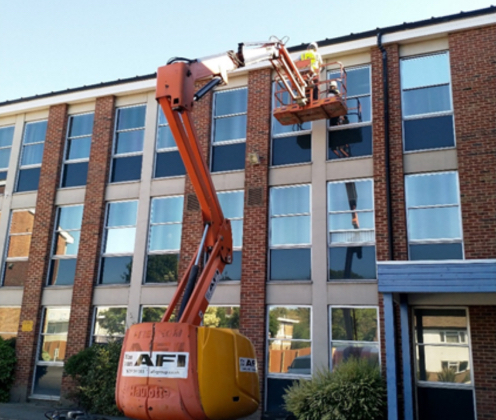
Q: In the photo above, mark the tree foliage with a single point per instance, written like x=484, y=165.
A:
x=7, y=365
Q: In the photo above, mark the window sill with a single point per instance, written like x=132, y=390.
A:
x=353, y=281
x=349, y=158
x=171, y=284
x=289, y=281
x=113, y=285
x=290, y=165
x=436, y=149
x=59, y=286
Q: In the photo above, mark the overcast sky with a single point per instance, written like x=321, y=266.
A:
x=52, y=45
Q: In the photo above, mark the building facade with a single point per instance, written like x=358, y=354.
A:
x=372, y=236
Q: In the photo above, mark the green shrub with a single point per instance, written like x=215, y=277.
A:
x=95, y=370
x=7, y=365
x=355, y=390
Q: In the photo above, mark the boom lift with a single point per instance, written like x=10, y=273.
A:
x=181, y=370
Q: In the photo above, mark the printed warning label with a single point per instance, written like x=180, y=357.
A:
x=156, y=364
x=247, y=365
x=213, y=285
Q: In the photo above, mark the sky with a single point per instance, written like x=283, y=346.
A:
x=52, y=45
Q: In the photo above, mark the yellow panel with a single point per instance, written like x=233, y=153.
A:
x=227, y=374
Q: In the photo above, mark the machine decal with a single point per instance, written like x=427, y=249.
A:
x=157, y=364
x=213, y=285
x=247, y=365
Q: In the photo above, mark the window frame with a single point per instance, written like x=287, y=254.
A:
x=428, y=115
x=163, y=150
x=22, y=167
x=6, y=169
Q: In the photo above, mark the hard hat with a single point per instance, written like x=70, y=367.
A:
x=334, y=84
x=313, y=46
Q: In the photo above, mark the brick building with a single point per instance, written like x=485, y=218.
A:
x=372, y=236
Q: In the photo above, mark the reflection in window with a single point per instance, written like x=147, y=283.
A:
x=354, y=333
x=222, y=317
x=128, y=144
x=289, y=237
x=77, y=150
x=52, y=347
x=110, y=324
x=118, y=249
x=164, y=240
x=152, y=313
x=351, y=230
x=168, y=161
x=232, y=204
x=351, y=135
x=442, y=346
x=229, y=130
x=31, y=156
x=65, y=245
x=433, y=216
x=15, y=268
x=9, y=321
x=426, y=102
x=6, y=137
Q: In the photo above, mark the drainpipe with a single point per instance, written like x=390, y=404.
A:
x=386, y=143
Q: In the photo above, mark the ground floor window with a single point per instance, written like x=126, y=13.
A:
x=52, y=344
x=109, y=324
x=9, y=321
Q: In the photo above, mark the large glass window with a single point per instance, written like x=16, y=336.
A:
x=52, y=347
x=350, y=207
x=233, y=207
x=164, y=240
x=110, y=324
x=229, y=130
x=426, y=102
x=168, y=161
x=9, y=321
x=31, y=156
x=6, y=137
x=77, y=150
x=65, y=245
x=433, y=216
x=289, y=238
x=291, y=144
x=15, y=268
x=118, y=247
x=289, y=343
x=128, y=144
x=354, y=333
x=351, y=136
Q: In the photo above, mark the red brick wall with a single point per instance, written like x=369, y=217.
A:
x=483, y=336
x=40, y=247
x=473, y=75
x=254, y=264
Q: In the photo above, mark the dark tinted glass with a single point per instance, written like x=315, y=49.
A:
x=15, y=273
x=276, y=388
x=445, y=403
x=293, y=149
x=436, y=252
x=229, y=157
x=233, y=271
x=290, y=264
x=429, y=133
x=162, y=268
x=75, y=174
x=3, y=175
x=62, y=272
x=48, y=380
x=352, y=142
x=169, y=164
x=126, y=169
x=28, y=179
x=116, y=270
x=354, y=262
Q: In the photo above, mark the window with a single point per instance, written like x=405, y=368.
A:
x=229, y=130
x=232, y=206
x=433, y=216
x=6, y=137
x=354, y=333
x=31, y=156
x=51, y=354
x=351, y=136
x=168, y=161
x=291, y=144
x=9, y=321
x=222, y=317
x=15, y=269
x=289, y=236
x=65, y=245
x=164, y=240
x=351, y=230
x=110, y=324
x=426, y=102
x=118, y=248
x=77, y=150
x=289, y=343
x=128, y=144
x=152, y=313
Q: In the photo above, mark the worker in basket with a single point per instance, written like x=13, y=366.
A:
x=312, y=73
